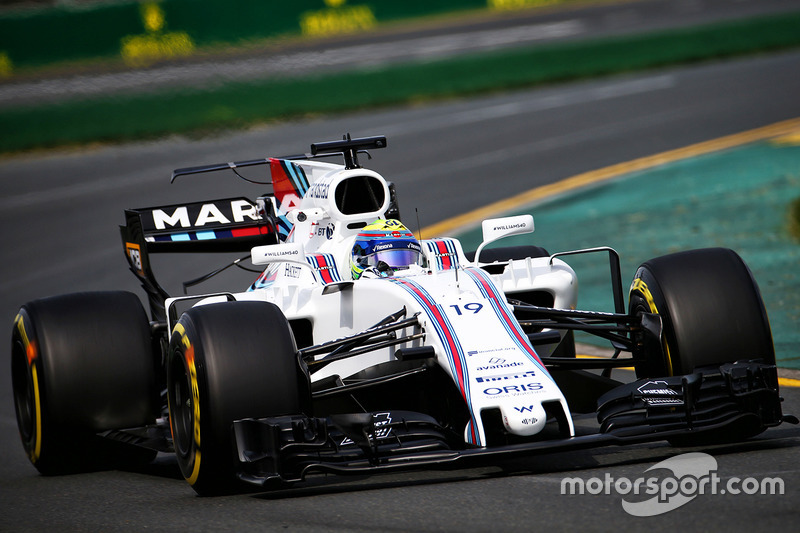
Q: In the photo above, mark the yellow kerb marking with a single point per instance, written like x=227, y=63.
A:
x=792, y=139
x=460, y=222
x=788, y=382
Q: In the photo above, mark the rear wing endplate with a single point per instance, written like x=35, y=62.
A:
x=228, y=225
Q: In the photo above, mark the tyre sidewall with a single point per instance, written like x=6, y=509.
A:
x=710, y=306
x=81, y=364
x=238, y=361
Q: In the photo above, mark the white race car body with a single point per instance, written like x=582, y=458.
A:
x=327, y=366
x=335, y=361
x=462, y=310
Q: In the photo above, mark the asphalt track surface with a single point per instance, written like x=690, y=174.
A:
x=59, y=214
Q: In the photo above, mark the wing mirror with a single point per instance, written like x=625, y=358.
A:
x=497, y=228
x=278, y=253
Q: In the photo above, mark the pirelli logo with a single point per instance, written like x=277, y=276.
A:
x=505, y=377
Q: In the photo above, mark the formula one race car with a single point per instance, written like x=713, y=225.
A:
x=362, y=349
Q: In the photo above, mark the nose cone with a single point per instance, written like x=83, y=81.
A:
x=524, y=418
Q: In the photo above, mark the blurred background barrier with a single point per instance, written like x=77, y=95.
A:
x=38, y=34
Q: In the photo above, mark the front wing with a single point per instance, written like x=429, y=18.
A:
x=729, y=403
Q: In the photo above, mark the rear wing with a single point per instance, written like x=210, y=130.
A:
x=228, y=225
x=232, y=224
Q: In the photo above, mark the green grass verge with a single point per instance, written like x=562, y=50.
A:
x=243, y=104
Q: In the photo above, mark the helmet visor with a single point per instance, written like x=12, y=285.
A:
x=398, y=258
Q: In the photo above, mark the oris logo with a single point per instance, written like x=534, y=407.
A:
x=513, y=389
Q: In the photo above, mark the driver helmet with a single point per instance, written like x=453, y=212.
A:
x=384, y=246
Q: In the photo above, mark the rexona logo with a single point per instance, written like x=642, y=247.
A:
x=319, y=190
x=198, y=215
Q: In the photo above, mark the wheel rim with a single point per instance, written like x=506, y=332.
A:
x=182, y=410
x=641, y=301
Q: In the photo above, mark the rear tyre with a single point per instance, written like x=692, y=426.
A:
x=226, y=362
x=711, y=310
x=82, y=364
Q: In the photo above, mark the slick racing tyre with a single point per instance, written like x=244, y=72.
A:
x=228, y=361
x=82, y=364
x=711, y=311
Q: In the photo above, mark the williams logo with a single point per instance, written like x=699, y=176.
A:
x=510, y=226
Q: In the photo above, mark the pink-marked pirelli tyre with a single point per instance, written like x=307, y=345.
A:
x=710, y=307
x=228, y=361
x=82, y=364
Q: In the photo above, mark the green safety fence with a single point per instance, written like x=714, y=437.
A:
x=234, y=105
x=143, y=32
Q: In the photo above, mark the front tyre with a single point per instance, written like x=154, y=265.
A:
x=226, y=362
x=711, y=310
